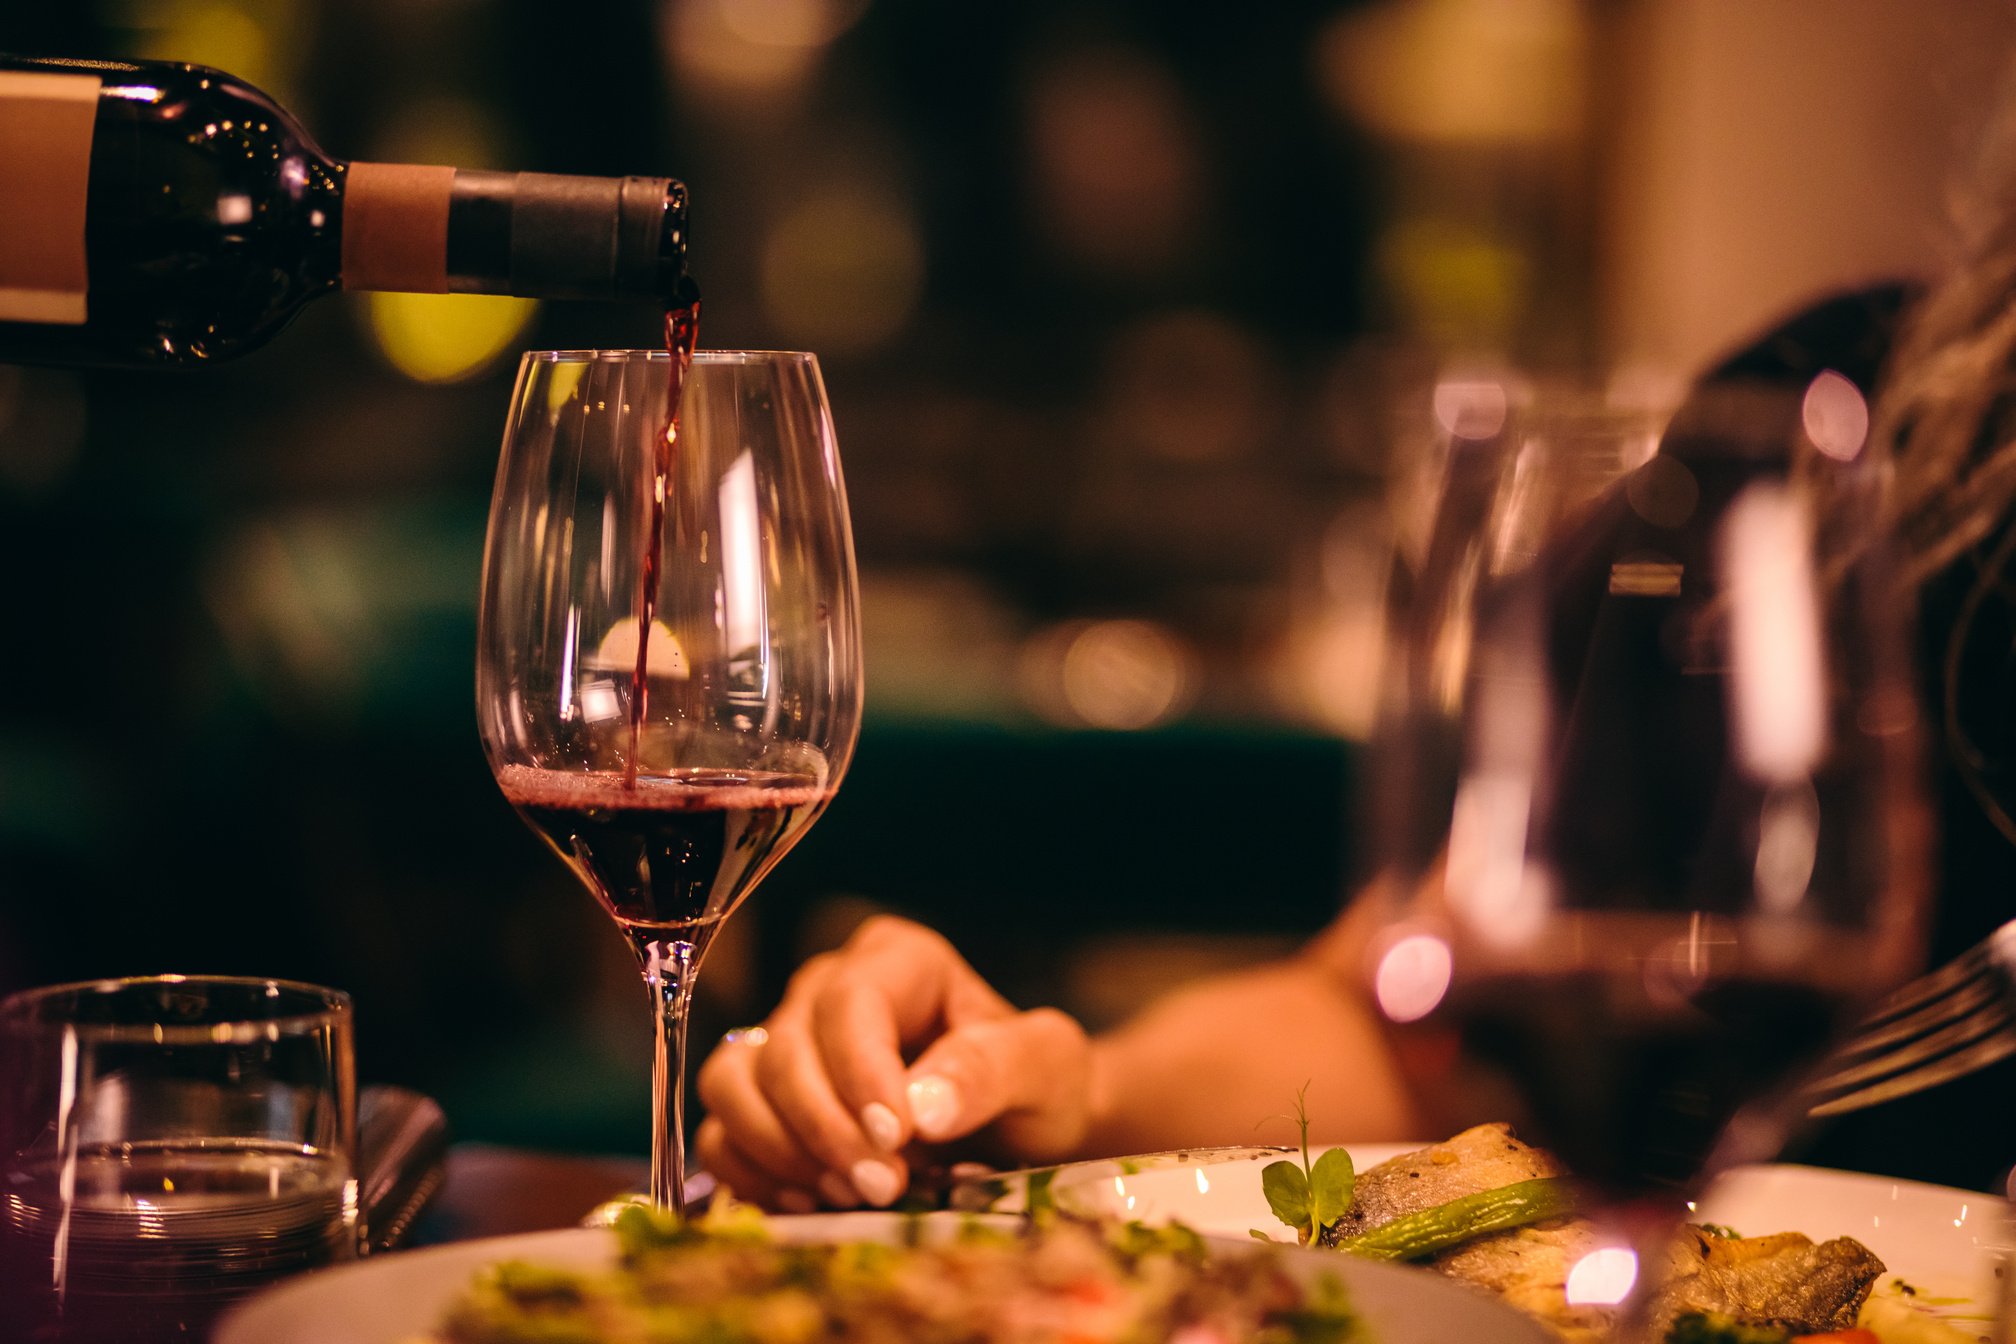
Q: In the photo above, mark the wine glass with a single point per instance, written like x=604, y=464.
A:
x=1662, y=829
x=669, y=667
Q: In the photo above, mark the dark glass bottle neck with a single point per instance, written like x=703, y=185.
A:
x=566, y=237
x=542, y=235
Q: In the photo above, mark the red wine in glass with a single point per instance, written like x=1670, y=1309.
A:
x=1631, y=1088
x=1680, y=822
x=667, y=854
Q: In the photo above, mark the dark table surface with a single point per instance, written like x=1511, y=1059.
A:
x=493, y=1191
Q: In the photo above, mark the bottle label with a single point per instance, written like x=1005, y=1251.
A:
x=45, y=176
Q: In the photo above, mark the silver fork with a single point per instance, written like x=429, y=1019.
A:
x=1946, y=1023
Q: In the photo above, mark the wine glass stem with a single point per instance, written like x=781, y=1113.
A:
x=669, y=965
x=1646, y=1223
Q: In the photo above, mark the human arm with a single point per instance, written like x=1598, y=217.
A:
x=1211, y=1061
x=828, y=1110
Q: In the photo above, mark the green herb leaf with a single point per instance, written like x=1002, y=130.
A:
x=1038, y=1198
x=1287, y=1191
x=1331, y=1181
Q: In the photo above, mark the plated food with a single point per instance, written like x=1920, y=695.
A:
x=920, y=1279
x=724, y=1279
x=1525, y=1250
x=408, y=1297
x=1478, y=1208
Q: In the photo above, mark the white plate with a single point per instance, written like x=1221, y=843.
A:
x=1217, y=1195
x=391, y=1299
x=1943, y=1243
x=1008, y=1191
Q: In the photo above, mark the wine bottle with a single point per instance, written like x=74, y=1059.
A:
x=168, y=215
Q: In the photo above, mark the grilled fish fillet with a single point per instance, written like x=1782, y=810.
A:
x=1784, y=1279
x=1527, y=1266
x=1479, y=1159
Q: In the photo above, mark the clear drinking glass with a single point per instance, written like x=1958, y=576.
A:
x=167, y=1146
x=1661, y=828
x=669, y=668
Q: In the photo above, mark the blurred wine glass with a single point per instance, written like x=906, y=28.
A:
x=668, y=670
x=1657, y=804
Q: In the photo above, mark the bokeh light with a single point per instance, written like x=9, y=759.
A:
x=1112, y=674
x=789, y=23
x=752, y=46
x=445, y=338
x=255, y=43
x=1602, y=1278
x=1329, y=673
x=1835, y=415
x=1788, y=846
x=1471, y=408
x=1412, y=977
x=842, y=270
x=1118, y=177
x=1459, y=71
x=1502, y=897
x=1456, y=278
x=1778, y=701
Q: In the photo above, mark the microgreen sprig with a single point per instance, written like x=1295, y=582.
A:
x=1313, y=1195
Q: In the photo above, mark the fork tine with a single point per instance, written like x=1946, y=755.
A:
x=1966, y=997
x=1951, y=1036
x=1915, y=995
x=1980, y=1055
x=1954, y=1020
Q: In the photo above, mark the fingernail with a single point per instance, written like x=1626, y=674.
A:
x=885, y=1131
x=877, y=1181
x=838, y=1190
x=934, y=1105
x=796, y=1201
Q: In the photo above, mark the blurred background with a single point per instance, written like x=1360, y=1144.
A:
x=1129, y=311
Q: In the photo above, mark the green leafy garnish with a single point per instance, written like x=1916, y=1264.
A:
x=1287, y=1188
x=1037, y=1198
x=1713, y=1327
x=1311, y=1196
x=1332, y=1181
x=641, y=1228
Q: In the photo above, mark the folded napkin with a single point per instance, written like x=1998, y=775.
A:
x=402, y=1153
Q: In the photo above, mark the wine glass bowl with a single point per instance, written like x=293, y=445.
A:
x=668, y=673
x=1663, y=664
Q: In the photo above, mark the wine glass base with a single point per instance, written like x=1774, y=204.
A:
x=701, y=1187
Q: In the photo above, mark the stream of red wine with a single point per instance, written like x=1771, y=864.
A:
x=682, y=333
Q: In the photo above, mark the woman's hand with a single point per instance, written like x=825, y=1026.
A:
x=890, y=1042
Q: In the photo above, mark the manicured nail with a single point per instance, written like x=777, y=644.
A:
x=885, y=1131
x=838, y=1190
x=878, y=1182
x=934, y=1105
x=796, y=1201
